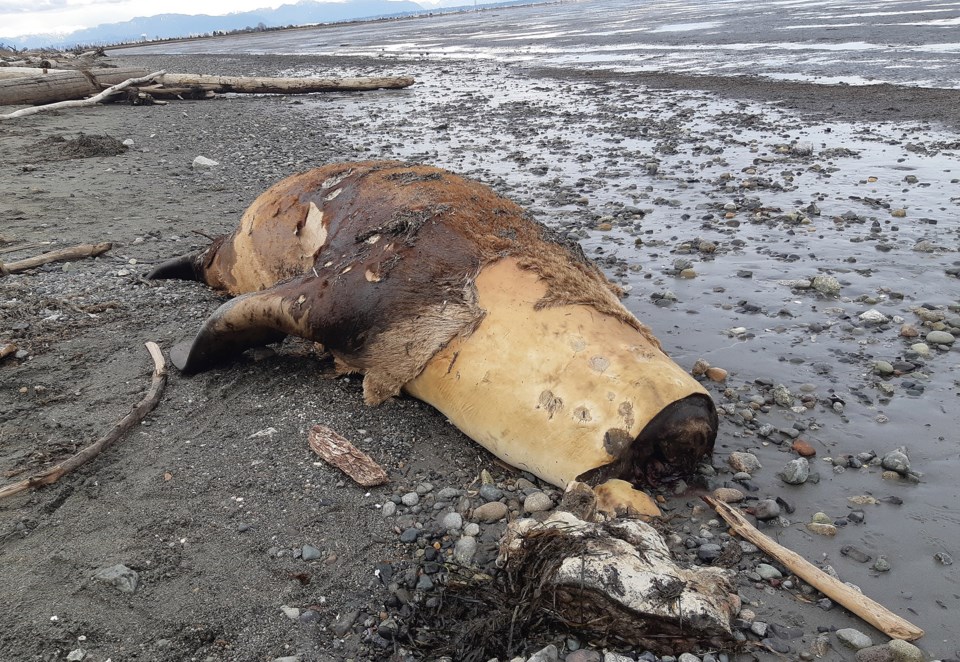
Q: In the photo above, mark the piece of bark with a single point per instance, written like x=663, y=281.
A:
x=259, y=85
x=61, y=85
x=872, y=612
x=144, y=407
x=71, y=253
x=619, y=579
x=80, y=103
x=345, y=456
x=6, y=349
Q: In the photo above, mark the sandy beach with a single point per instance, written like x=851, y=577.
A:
x=214, y=498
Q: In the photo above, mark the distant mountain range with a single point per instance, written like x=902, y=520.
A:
x=167, y=26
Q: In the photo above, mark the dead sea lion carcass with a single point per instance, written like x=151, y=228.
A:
x=433, y=284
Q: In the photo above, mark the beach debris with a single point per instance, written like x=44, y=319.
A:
x=124, y=425
x=6, y=349
x=339, y=452
x=71, y=253
x=102, y=97
x=872, y=612
x=46, y=89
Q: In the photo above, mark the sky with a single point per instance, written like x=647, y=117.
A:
x=20, y=17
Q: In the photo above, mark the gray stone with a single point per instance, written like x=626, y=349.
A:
x=537, y=502
x=76, y=655
x=471, y=529
x=310, y=553
x=410, y=535
x=796, y=471
x=583, y=656
x=746, y=462
x=345, y=622
x=905, y=652
x=291, y=612
x=688, y=657
x=389, y=509
x=120, y=577
x=410, y=499
x=448, y=494
x=545, y=654
x=826, y=285
x=883, y=368
x=464, y=550
x=854, y=639
x=490, y=512
x=759, y=628
x=874, y=654
x=940, y=338
x=767, y=571
x=897, y=461
x=782, y=396
x=202, y=163
x=766, y=509
x=452, y=521
x=490, y=492
x=615, y=657
x=286, y=658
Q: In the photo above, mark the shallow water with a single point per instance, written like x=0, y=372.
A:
x=909, y=42
x=637, y=175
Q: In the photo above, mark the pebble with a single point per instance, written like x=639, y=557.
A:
x=897, y=461
x=803, y=448
x=873, y=316
x=471, y=529
x=728, y=495
x=464, y=550
x=410, y=535
x=854, y=639
x=905, y=652
x=583, y=656
x=759, y=628
x=782, y=396
x=537, y=502
x=448, y=494
x=490, y=493
x=716, y=374
x=795, y=472
x=410, y=499
x=688, y=657
x=826, y=285
x=389, y=509
x=120, y=577
x=452, y=521
x=767, y=571
x=874, y=654
x=881, y=564
x=490, y=512
x=822, y=529
x=766, y=509
x=291, y=612
x=76, y=655
x=202, y=162
x=546, y=654
x=310, y=553
x=943, y=558
x=745, y=462
x=940, y=338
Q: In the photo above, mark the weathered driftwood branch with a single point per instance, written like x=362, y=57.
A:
x=29, y=86
x=345, y=456
x=72, y=253
x=59, y=85
x=144, y=407
x=872, y=612
x=259, y=85
x=92, y=101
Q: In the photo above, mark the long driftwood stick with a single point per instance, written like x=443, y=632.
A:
x=258, y=85
x=33, y=87
x=872, y=612
x=345, y=456
x=123, y=426
x=72, y=253
x=79, y=103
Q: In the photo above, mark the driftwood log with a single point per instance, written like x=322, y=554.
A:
x=872, y=612
x=72, y=253
x=144, y=407
x=33, y=86
x=61, y=85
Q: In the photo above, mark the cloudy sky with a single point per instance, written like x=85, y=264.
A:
x=19, y=17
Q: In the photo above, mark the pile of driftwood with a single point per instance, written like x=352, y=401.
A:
x=60, y=84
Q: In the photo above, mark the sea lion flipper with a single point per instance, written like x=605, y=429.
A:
x=185, y=267
x=251, y=320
